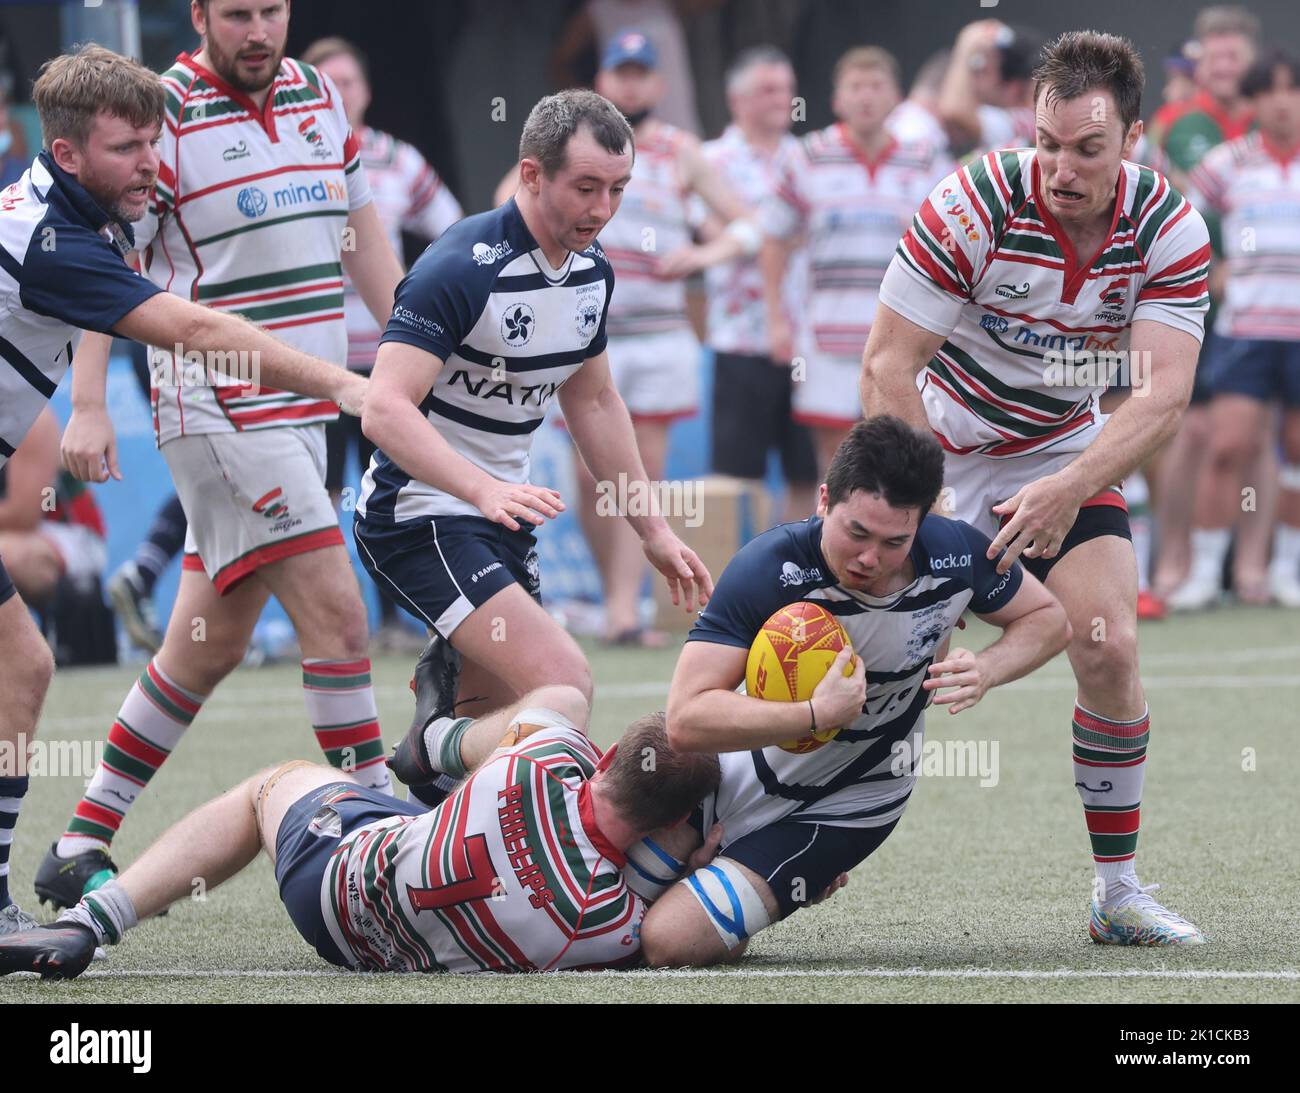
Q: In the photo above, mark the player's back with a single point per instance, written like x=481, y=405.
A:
x=510, y=873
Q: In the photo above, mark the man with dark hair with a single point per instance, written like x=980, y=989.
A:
x=1026, y=280
x=501, y=315
x=986, y=99
x=1250, y=190
x=521, y=869
x=809, y=789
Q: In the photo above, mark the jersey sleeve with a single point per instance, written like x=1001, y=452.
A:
x=1176, y=246
x=737, y=609
x=1207, y=189
x=938, y=261
x=353, y=172
x=80, y=278
x=437, y=303
x=991, y=590
x=783, y=212
x=431, y=207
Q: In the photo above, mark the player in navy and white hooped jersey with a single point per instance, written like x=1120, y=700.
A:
x=498, y=320
x=898, y=579
x=1027, y=280
x=65, y=229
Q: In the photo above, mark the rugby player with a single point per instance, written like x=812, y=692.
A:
x=501, y=316
x=65, y=227
x=1015, y=264
x=260, y=201
x=898, y=579
x=849, y=191
x=521, y=869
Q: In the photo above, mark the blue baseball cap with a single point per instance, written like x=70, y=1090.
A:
x=629, y=47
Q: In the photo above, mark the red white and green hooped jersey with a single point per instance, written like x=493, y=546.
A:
x=1255, y=188
x=509, y=873
x=851, y=211
x=247, y=216
x=986, y=264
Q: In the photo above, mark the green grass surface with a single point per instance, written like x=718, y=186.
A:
x=976, y=884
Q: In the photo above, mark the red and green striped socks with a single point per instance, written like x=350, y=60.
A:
x=153, y=717
x=341, y=706
x=1109, y=763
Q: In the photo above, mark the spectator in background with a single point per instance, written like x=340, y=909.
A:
x=1180, y=79
x=1252, y=186
x=851, y=189
x=986, y=99
x=1225, y=42
x=599, y=22
x=916, y=118
x=751, y=391
x=409, y=197
x=50, y=526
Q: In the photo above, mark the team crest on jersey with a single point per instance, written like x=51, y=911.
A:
x=311, y=134
x=252, y=202
x=928, y=628
x=588, y=319
x=517, y=325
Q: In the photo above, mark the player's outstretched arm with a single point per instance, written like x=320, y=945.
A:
x=601, y=427
x=89, y=447
x=167, y=320
x=1043, y=512
x=401, y=379
x=705, y=712
x=1034, y=629
x=896, y=351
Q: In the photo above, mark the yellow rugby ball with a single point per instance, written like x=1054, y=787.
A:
x=791, y=654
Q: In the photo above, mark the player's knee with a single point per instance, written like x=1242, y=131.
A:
x=1106, y=654
x=566, y=700
x=567, y=668
x=1233, y=451
x=32, y=673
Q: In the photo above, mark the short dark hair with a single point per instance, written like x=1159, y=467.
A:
x=887, y=457
x=1080, y=61
x=752, y=58
x=75, y=87
x=867, y=57
x=651, y=783
x=1019, y=50
x=557, y=117
x=1262, y=74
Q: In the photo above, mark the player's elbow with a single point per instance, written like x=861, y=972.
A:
x=377, y=414
x=682, y=728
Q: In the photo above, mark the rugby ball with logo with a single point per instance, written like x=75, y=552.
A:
x=791, y=654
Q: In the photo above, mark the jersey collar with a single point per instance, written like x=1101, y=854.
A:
x=118, y=232
x=587, y=814
x=871, y=166
x=265, y=114
x=1075, y=274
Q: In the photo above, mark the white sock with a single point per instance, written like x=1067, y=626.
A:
x=442, y=737
x=1209, y=550
x=1286, y=550
x=1120, y=878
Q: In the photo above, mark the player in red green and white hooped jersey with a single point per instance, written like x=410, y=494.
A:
x=1250, y=191
x=849, y=191
x=248, y=216
x=260, y=186
x=520, y=869
x=1017, y=272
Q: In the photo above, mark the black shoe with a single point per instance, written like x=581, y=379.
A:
x=434, y=793
x=61, y=951
x=134, y=606
x=437, y=674
x=63, y=881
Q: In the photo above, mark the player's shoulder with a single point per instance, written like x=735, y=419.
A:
x=949, y=548
x=782, y=562
x=477, y=247
x=293, y=71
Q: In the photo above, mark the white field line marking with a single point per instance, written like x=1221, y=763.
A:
x=747, y=973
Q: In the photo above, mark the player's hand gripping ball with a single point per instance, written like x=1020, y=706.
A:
x=791, y=654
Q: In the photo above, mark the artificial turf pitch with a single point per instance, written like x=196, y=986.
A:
x=981, y=895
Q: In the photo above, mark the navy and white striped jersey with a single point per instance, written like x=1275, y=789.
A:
x=509, y=329
x=61, y=272
x=854, y=780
